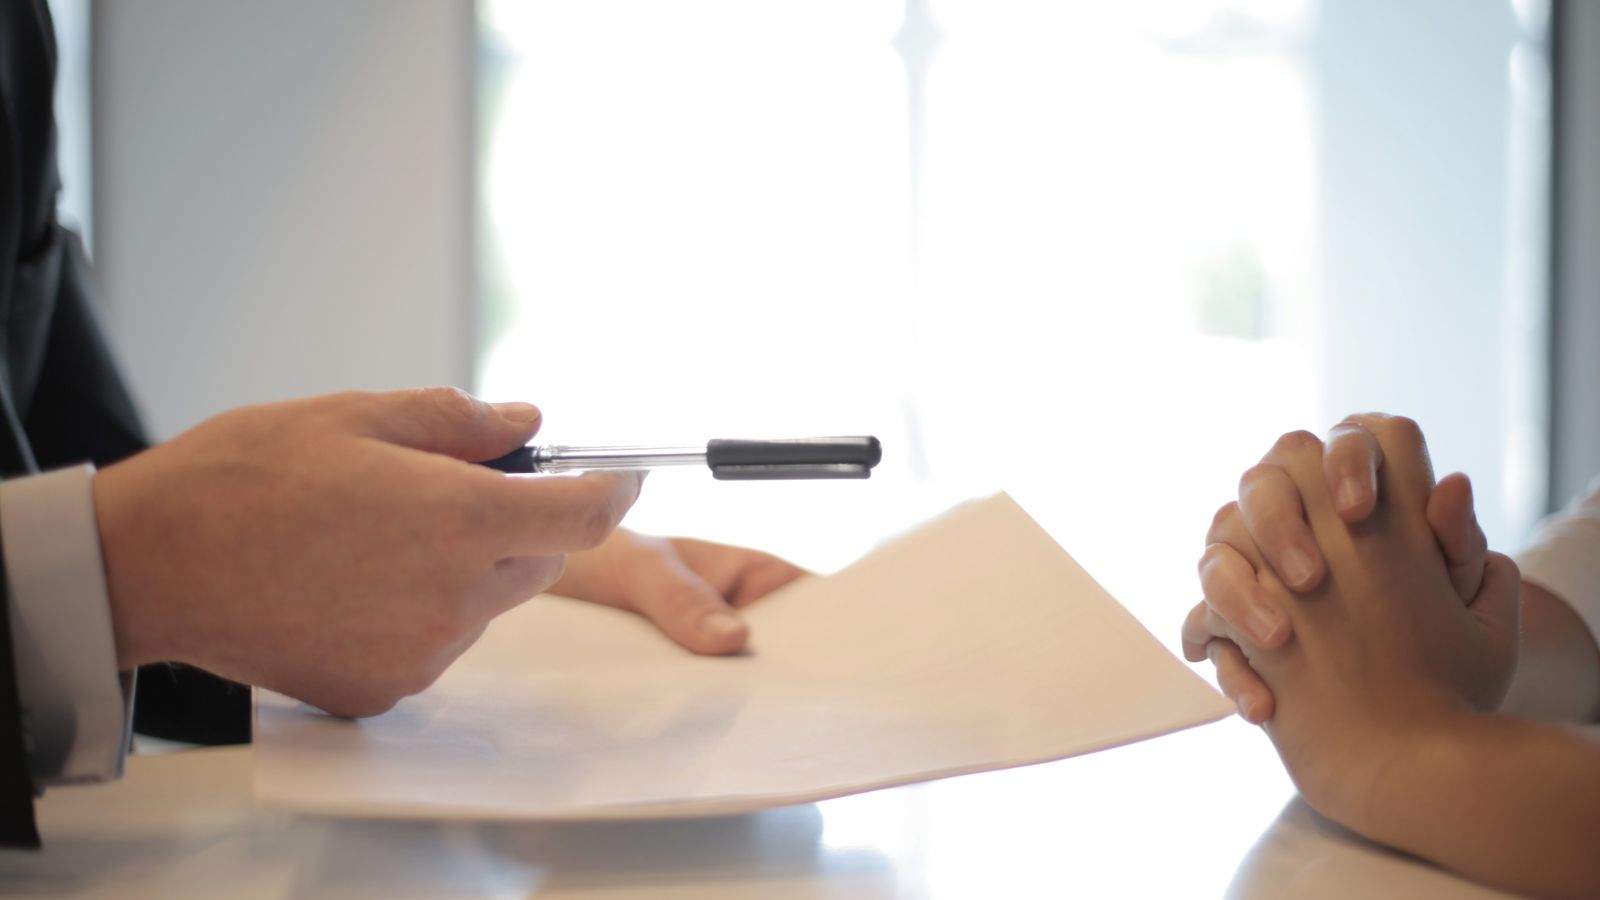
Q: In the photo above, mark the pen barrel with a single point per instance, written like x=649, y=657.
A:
x=591, y=459
x=729, y=460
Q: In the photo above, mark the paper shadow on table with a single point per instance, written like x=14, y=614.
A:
x=399, y=858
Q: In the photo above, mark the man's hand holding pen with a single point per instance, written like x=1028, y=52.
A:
x=344, y=549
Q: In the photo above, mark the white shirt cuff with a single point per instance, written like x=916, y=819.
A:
x=76, y=708
x=1564, y=557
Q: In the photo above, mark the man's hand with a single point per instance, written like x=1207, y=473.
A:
x=344, y=549
x=1268, y=524
x=689, y=589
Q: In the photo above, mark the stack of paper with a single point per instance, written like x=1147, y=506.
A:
x=973, y=643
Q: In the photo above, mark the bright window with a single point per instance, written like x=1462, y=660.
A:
x=1098, y=255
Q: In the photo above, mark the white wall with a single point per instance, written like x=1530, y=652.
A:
x=1432, y=173
x=283, y=197
x=73, y=128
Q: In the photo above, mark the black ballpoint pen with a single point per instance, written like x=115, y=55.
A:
x=729, y=460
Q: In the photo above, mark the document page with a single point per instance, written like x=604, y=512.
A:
x=971, y=643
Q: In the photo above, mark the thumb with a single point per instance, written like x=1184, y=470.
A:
x=1455, y=527
x=1498, y=604
x=1498, y=609
x=448, y=421
x=684, y=606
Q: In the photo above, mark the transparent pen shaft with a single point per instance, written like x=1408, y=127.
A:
x=571, y=459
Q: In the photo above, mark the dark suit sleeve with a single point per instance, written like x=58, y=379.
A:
x=17, y=828
x=78, y=409
x=62, y=400
x=81, y=411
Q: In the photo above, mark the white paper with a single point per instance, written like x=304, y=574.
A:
x=972, y=643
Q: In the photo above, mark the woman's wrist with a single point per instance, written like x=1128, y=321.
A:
x=1409, y=765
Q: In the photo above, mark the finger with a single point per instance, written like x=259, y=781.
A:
x=741, y=575
x=1350, y=461
x=1406, y=477
x=1498, y=601
x=1269, y=504
x=1227, y=527
x=540, y=516
x=763, y=579
x=1233, y=592
x=1299, y=455
x=443, y=420
x=1455, y=526
x=1498, y=608
x=686, y=607
x=1240, y=683
x=520, y=578
x=1200, y=627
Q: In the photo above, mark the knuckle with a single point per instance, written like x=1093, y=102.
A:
x=1223, y=603
x=1404, y=429
x=452, y=401
x=1505, y=563
x=1213, y=556
x=1258, y=476
x=1251, y=475
x=1225, y=515
x=1351, y=449
x=1297, y=442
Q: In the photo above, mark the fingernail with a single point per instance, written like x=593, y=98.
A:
x=521, y=413
x=1297, y=566
x=721, y=624
x=1349, y=494
x=1263, y=623
x=1247, y=709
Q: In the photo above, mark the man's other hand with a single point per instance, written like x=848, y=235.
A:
x=690, y=589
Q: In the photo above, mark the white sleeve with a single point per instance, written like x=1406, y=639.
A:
x=76, y=707
x=1564, y=556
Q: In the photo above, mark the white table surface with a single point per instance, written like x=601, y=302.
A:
x=1198, y=814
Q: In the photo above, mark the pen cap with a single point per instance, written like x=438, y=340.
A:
x=835, y=457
